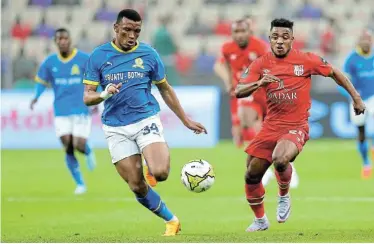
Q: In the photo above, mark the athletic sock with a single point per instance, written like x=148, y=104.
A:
x=255, y=194
x=153, y=202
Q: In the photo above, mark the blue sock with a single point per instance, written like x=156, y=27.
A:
x=73, y=167
x=363, y=149
x=153, y=202
x=87, y=149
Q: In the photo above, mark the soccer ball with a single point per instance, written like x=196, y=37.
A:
x=197, y=175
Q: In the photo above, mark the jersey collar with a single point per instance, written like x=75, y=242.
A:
x=120, y=50
x=362, y=54
x=68, y=58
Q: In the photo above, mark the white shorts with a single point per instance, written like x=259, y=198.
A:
x=360, y=120
x=125, y=141
x=76, y=125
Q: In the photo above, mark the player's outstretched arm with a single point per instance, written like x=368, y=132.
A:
x=344, y=82
x=171, y=99
x=92, y=97
x=246, y=89
x=39, y=89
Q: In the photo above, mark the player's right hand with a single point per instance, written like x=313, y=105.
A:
x=114, y=88
x=33, y=102
x=196, y=127
x=359, y=106
x=267, y=79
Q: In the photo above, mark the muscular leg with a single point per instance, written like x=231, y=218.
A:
x=130, y=169
x=72, y=163
x=283, y=153
x=236, y=129
x=81, y=145
x=248, y=116
x=363, y=148
x=255, y=191
x=158, y=159
x=250, y=122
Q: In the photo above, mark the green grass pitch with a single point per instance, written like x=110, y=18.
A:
x=332, y=203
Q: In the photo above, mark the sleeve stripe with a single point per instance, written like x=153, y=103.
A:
x=39, y=80
x=91, y=82
x=159, y=82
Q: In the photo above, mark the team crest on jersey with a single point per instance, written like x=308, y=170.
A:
x=138, y=63
x=75, y=70
x=252, y=56
x=298, y=70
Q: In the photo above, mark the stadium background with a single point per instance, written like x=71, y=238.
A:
x=331, y=204
x=188, y=35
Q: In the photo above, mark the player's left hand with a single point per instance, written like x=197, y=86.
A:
x=114, y=88
x=196, y=127
x=359, y=106
x=32, y=103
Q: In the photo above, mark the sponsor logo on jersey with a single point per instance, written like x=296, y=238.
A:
x=122, y=76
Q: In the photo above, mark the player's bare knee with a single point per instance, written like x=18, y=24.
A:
x=252, y=178
x=280, y=162
x=161, y=174
x=79, y=144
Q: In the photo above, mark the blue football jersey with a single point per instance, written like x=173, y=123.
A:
x=136, y=69
x=360, y=69
x=65, y=75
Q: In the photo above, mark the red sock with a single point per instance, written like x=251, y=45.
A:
x=284, y=179
x=255, y=196
x=248, y=134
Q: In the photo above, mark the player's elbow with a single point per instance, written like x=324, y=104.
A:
x=216, y=67
x=240, y=92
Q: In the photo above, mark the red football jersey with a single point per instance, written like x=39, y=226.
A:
x=288, y=101
x=239, y=59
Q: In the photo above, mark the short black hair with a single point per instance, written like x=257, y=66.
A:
x=282, y=23
x=130, y=14
x=61, y=30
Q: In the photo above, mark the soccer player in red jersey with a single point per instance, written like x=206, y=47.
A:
x=285, y=74
x=235, y=57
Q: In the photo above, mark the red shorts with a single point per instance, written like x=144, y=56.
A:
x=265, y=141
x=257, y=101
x=235, y=120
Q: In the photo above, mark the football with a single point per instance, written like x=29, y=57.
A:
x=197, y=176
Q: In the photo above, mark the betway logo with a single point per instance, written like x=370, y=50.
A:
x=282, y=97
x=14, y=120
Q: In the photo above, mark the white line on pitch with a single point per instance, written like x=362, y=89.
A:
x=235, y=198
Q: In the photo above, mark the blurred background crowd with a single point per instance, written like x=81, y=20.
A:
x=188, y=34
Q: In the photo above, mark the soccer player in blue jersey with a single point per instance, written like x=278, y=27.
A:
x=125, y=69
x=63, y=71
x=359, y=66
